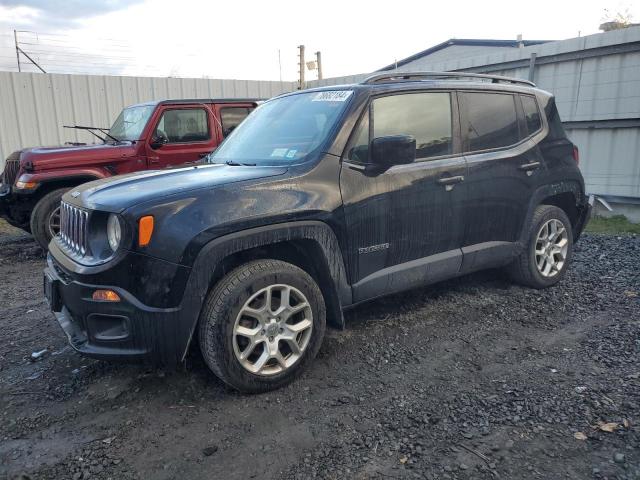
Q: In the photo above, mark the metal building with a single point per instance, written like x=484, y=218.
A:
x=596, y=81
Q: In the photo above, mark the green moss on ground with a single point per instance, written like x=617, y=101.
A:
x=615, y=224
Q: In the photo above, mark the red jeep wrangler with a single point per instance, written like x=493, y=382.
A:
x=147, y=136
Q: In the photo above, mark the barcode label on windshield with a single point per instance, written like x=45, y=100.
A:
x=332, y=96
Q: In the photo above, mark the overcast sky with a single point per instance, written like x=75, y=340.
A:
x=240, y=39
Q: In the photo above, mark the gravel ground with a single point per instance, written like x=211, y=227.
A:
x=471, y=379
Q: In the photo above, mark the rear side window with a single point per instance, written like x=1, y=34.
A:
x=491, y=120
x=425, y=116
x=531, y=114
x=231, y=117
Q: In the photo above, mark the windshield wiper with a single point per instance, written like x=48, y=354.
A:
x=238, y=164
x=104, y=131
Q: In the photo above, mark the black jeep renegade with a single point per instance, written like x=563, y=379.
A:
x=320, y=200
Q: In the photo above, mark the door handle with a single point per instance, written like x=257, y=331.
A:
x=449, y=182
x=529, y=167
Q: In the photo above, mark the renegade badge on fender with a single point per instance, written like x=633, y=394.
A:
x=320, y=200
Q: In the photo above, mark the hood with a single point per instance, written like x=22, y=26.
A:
x=118, y=193
x=46, y=158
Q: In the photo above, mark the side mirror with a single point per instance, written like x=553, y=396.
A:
x=157, y=141
x=393, y=150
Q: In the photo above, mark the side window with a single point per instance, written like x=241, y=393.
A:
x=531, y=113
x=183, y=125
x=231, y=117
x=359, y=150
x=425, y=116
x=491, y=120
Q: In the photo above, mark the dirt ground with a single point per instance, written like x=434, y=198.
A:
x=471, y=379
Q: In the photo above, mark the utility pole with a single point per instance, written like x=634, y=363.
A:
x=20, y=51
x=15, y=40
x=302, y=66
x=319, y=64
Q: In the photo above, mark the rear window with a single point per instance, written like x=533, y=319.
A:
x=531, y=114
x=491, y=120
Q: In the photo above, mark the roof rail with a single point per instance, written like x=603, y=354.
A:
x=409, y=76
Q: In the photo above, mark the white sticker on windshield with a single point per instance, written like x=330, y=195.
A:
x=291, y=153
x=332, y=96
x=279, y=152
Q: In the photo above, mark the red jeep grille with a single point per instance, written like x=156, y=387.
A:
x=11, y=168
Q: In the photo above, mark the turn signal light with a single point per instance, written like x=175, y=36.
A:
x=105, y=296
x=145, y=230
x=26, y=185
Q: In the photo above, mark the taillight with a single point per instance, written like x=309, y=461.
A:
x=576, y=155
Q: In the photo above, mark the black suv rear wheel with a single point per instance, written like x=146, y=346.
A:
x=261, y=325
x=549, y=249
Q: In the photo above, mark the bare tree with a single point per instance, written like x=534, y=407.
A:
x=616, y=20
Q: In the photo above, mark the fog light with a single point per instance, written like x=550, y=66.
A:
x=105, y=296
x=108, y=327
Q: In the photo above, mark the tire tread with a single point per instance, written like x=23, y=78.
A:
x=37, y=222
x=521, y=269
x=216, y=302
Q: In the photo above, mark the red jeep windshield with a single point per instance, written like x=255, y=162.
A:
x=131, y=122
x=284, y=130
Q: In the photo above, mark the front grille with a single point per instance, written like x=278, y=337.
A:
x=73, y=229
x=11, y=168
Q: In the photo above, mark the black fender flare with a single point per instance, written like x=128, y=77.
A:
x=337, y=290
x=545, y=191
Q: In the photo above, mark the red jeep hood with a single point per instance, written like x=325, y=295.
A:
x=46, y=158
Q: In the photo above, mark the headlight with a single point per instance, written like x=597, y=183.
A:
x=114, y=231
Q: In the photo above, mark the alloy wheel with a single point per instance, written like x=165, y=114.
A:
x=54, y=222
x=552, y=244
x=272, y=330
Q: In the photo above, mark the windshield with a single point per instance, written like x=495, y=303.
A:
x=131, y=122
x=284, y=130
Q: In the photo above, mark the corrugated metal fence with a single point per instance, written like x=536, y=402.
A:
x=596, y=81
x=35, y=106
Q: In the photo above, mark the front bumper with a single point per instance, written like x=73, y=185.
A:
x=117, y=331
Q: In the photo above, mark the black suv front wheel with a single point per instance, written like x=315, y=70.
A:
x=261, y=325
x=549, y=249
